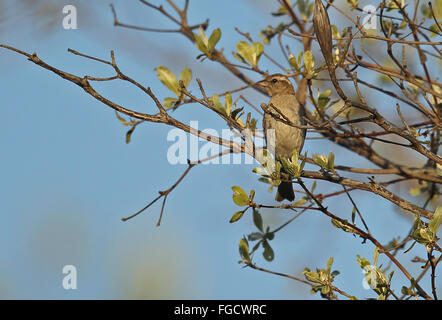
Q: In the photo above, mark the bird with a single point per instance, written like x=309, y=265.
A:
x=287, y=138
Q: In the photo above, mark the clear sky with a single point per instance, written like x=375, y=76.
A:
x=67, y=176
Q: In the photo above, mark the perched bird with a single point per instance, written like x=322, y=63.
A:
x=286, y=138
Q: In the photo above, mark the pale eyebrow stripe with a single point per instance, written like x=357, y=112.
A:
x=283, y=79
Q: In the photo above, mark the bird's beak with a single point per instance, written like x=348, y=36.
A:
x=263, y=83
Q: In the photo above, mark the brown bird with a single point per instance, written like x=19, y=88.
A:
x=286, y=138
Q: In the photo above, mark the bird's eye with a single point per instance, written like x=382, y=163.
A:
x=274, y=80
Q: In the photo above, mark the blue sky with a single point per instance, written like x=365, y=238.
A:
x=68, y=177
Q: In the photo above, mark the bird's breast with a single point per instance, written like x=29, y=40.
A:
x=286, y=137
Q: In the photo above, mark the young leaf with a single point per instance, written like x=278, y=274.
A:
x=435, y=222
x=250, y=53
x=268, y=253
x=309, y=61
x=375, y=257
x=228, y=103
x=240, y=197
x=255, y=236
x=341, y=225
x=251, y=194
x=331, y=161
x=294, y=63
x=213, y=40
x=300, y=202
x=203, y=36
x=129, y=134
x=239, y=57
x=258, y=49
x=244, y=250
x=123, y=121
x=353, y=3
x=323, y=98
x=244, y=50
x=329, y=264
x=169, y=102
x=186, y=76
x=168, y=79
x=200, y=44
x=236, y=216
x=362, y=262
x=257, y=220
x=353, y=215
x=314, y=186
x=217, y=104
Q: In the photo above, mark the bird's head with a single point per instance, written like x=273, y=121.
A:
x=277, y=84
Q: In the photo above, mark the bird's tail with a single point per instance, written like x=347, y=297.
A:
x=285, y=191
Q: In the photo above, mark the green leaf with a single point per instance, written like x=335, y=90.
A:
x=300, y=202
x=244, y=250
x=311, y=275
x=200, y=44
x=217, y=104
x=129, y=134
x=412, y=245
x=436, y=221
x=269, y=235
x=331, y=161
x=329, y=264
x=323, y=98
x=239, y=57
x=186, y=76
x=314, y=186
x=335, y=32
x=353, y=3
x=244, y=50
x=390, y=276
x=341, y=225
x=250, y=53
x=203, y=37
x=294, y=63
x=240, y=197
x=258, y=49
x=251, y=194
x=169, y=102
x=168, y=79
x=237, y=113
x=213, y=40
x=228, y=103
x=309, y=61
x=425, y=9
x=236, y=216
x=421, y=233
x=123, y=121
x=376, y=255
x=415, y=191
x=362, y=262
x=257, y=220
x=325, y=289
x=353, y=215
x=320, y=160
x=268, y=253
x=255, y=236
